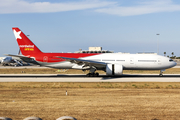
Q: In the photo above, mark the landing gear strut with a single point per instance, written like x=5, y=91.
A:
x=161, y=73
x=92, y=72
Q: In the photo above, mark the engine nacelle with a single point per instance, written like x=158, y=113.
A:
x=114, y=69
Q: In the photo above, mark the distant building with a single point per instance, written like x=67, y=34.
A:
x=147, y=53
x=94, y=50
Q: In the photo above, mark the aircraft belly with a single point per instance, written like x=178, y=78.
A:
x=144, y=66
x=59, y=65
x=153, y=67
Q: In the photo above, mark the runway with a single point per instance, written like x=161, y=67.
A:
x=83, y=78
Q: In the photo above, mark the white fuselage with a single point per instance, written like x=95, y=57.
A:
x=128, y=61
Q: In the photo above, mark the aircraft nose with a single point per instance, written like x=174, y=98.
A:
x=174, y=64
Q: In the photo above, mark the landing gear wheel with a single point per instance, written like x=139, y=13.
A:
x=92, y=75
x=88, y=75
x=161, y=73
x=96, y=74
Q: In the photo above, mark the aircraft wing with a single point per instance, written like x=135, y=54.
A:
x=84, y=62
x=24, y=58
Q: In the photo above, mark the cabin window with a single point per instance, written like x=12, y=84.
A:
x=108, y=60
x=147, y=61
x=96, y=60
x=121, y=60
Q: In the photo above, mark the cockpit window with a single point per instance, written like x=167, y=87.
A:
x=170, y=60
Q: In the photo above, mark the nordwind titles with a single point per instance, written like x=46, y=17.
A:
x=27, y=46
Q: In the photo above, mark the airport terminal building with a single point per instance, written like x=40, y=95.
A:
x=94, y=50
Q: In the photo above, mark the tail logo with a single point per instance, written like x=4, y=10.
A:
x=17, y=34
x=27, y=47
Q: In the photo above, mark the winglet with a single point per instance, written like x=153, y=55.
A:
x=26, y=46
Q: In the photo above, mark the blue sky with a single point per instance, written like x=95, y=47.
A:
x=68, y=25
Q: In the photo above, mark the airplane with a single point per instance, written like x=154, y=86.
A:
x=5, y=60
x=111, y=63
x=10, y=61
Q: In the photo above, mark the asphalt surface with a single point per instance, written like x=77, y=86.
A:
x=83, y=78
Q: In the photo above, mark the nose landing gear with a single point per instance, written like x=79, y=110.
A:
x=161, y=73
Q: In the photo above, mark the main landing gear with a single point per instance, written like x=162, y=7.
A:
x=92, y=72
x=161, y=73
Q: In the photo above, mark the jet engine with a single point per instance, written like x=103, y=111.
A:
x=114, y=69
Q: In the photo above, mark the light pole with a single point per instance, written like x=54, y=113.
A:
x=157, y=44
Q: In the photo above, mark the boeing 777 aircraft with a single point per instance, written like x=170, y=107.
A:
x=111, y=63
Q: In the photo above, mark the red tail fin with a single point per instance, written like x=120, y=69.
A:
x=26, y=46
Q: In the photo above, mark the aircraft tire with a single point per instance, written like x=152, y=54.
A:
x=96, y=74
x=92, y=75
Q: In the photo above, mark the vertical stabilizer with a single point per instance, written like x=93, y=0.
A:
x=26, y=46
